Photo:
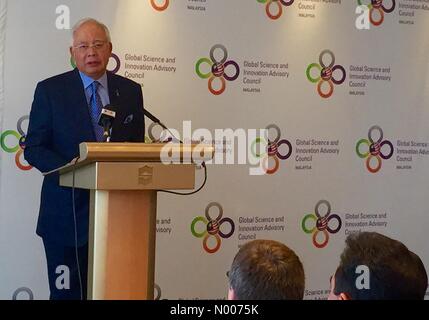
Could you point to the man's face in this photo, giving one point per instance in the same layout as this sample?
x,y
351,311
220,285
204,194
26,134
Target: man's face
x,y
91,50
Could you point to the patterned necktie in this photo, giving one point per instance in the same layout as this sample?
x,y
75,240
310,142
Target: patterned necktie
x,y
96,107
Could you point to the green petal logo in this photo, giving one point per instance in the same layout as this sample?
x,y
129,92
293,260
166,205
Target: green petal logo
x,y
321,224
375,149
217,69
12,141
325,74
271,150
209,229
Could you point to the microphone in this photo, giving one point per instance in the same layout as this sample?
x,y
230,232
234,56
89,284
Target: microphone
x,y
154,119
203,164
157,121
107,117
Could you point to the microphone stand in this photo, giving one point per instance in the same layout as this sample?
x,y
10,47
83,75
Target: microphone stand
x,y
203,164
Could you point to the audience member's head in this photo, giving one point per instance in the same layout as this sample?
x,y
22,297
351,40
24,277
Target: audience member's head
x,y
266,270
373,266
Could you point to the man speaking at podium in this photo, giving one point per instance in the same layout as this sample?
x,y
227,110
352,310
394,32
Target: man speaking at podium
x,y
65,112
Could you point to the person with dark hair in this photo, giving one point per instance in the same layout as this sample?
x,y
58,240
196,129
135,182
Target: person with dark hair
x,y
266,270
376,267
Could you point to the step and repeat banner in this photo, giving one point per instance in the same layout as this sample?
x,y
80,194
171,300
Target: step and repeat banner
x,y
340,87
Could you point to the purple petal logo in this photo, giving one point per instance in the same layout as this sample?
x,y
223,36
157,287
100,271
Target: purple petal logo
x,y
213,229
321,224
274,8
273,150
329,74
375,149
217,69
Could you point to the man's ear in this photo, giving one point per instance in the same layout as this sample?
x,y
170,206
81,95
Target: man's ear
x,y
231,294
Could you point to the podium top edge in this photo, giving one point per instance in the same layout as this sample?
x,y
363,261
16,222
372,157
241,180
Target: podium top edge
x,y
91,152
142,151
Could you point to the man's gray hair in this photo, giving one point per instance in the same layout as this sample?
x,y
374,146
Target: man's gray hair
x,y
91,20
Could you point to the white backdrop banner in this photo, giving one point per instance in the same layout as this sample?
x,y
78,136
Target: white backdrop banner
x,y
3,11
342,89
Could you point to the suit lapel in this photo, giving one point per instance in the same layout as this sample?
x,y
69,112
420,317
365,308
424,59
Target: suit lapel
x,y
114,89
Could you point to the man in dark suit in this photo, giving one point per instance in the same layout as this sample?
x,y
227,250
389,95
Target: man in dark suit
x,y
64,113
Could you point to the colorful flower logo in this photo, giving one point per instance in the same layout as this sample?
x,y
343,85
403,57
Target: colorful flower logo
x,y
18,146
160,7
277,5
217,69
271,150
322,224
325,74
377,6
374,150
212,228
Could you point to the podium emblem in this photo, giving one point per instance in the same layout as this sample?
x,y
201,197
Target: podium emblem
x,y
145,175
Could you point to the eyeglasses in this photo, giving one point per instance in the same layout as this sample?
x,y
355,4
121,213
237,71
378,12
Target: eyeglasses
x,y
85,47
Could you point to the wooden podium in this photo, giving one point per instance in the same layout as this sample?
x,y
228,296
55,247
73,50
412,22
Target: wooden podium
x,y
124,179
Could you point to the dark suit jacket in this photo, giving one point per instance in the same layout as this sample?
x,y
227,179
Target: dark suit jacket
x,y
59,122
